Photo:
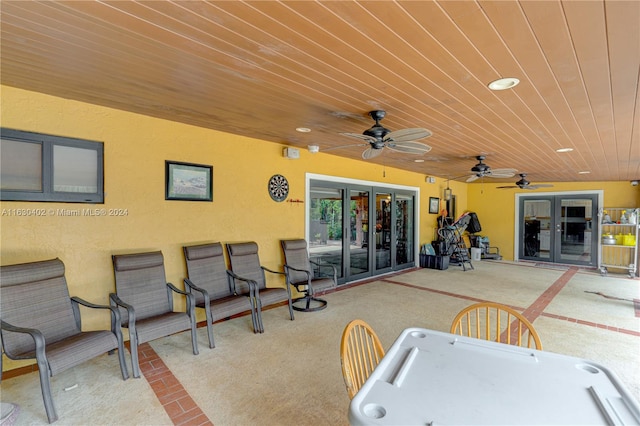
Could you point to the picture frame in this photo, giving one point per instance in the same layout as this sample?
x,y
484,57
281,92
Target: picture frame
x,y
188,181
434,205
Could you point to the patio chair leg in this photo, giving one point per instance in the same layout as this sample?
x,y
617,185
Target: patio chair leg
x,y
133,340
212,343
45,384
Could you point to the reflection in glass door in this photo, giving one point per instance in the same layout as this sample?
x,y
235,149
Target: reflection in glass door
x,y
359,236
325,226
404,229
383,231
559,229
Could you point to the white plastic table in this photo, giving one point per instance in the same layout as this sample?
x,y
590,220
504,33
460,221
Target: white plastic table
x,y
433,378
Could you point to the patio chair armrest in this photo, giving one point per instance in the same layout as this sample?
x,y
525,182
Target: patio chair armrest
x,y
115,301
176,289
189,286
76,301
191,303
287,267
253,285
326,265
264,268
79,300
38,338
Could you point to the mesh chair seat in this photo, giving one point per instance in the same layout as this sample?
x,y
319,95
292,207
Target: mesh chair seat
x,y
166,324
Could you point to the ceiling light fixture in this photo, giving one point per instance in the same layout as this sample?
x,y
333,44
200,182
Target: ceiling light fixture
x,y
584,172
504,83
303,129
564,150
418,161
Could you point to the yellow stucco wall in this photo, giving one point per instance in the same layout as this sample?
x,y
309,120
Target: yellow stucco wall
x,y
135,150
496,207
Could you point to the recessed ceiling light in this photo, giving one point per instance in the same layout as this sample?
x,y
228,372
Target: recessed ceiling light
x,y
504,83
303,129
564,150
584,172
418,161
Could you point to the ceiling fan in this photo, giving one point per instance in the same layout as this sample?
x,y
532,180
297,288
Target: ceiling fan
x,y
482,170
523,183
379,138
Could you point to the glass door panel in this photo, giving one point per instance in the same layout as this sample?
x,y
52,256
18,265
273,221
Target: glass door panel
x,y
574,242
404,229
359,232
383,231
536,235
325,226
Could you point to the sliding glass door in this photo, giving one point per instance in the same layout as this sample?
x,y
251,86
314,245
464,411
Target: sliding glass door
x,y
362,230
559,228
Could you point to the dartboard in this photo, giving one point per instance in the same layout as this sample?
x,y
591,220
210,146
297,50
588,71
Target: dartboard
x,y
278,188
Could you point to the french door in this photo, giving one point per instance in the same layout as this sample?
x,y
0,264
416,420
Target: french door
x,y
361,230
559,228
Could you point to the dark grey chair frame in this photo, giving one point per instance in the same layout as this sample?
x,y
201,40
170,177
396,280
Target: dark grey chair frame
x,y
40,320
214,286
145,301
307,280
245,264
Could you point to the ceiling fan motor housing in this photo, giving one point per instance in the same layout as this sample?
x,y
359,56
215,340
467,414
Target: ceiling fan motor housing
x,y
480,167
377,131
523,181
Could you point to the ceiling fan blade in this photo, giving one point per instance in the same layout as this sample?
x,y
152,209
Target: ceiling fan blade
x,y
473,178
406,135
408,147
504,187
331,148
370,153
360,136
539,185
502,173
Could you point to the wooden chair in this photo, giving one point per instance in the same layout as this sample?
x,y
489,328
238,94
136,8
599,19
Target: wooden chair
x,y
245,264
360,353
145,300
495,322
214,288
307,276
40,320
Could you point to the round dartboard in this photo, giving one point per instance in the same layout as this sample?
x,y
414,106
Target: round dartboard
x,y
278,188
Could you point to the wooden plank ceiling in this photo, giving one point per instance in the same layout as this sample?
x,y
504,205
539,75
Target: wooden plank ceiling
x,y
264,68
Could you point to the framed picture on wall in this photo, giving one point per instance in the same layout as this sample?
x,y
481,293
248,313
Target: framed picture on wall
x,y
434,205
188,181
